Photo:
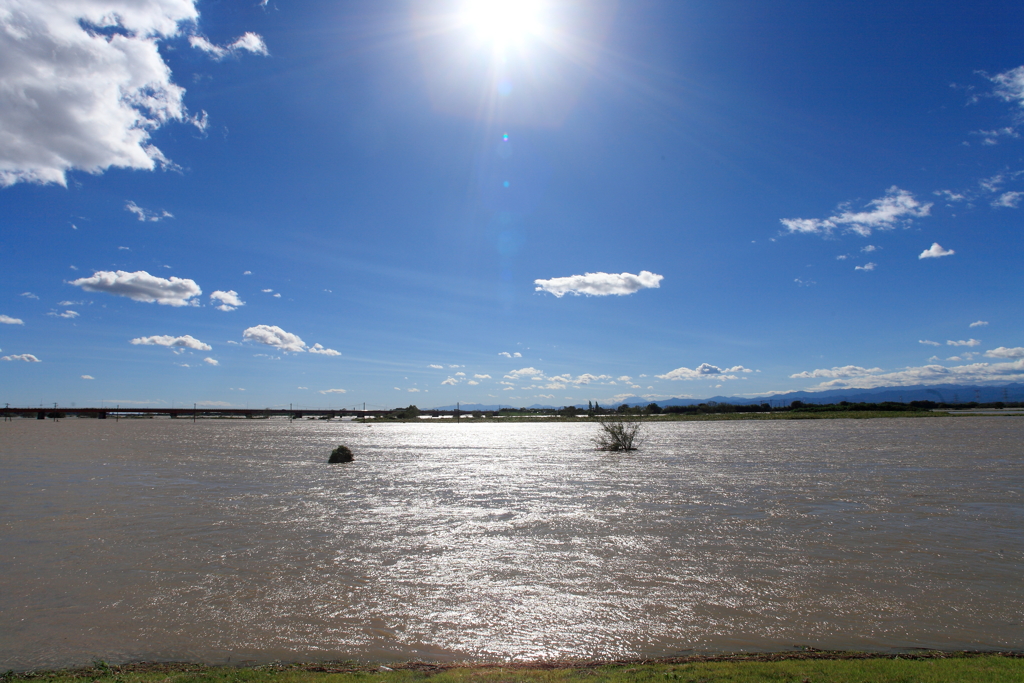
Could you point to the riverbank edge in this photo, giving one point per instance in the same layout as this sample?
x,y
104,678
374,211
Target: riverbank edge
x,y
144,670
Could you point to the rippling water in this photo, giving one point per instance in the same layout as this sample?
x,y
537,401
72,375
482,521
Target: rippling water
x,y
233,540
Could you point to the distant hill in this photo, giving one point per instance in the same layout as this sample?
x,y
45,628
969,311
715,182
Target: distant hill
x,y
944,393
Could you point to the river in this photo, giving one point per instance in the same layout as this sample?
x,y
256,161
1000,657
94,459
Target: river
x,y
234,541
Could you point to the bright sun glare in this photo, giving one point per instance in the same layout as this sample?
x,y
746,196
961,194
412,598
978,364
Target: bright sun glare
x,y
502,21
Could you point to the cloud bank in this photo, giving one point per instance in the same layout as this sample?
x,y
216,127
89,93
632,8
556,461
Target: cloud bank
x,y
599,284
141,286
704,371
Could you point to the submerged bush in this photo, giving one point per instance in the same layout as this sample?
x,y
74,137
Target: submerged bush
x,y
341,454
620,435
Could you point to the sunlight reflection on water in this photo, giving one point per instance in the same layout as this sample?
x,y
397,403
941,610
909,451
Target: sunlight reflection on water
x,y
234,540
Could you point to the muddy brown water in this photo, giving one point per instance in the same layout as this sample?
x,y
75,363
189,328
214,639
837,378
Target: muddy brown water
x,y
234,541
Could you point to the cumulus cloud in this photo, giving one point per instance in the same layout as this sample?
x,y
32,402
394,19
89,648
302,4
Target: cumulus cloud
x,y
451,381
968,342
935,251
144,214
229,300
84,85
317,348
435,366
867,266
8,320
704,371
186,341
88,377
599,284
211,361
141,286
65,314
27,357
272,335
506,354
974,373
334,391
249,42
979,323
897,207
929,342
481,376
1003,352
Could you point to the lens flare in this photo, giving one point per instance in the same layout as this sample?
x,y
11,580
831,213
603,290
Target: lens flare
x,y
503,21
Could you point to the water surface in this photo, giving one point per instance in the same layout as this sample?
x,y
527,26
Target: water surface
x,y
232,540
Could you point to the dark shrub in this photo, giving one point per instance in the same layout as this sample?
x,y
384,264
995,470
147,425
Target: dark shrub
x,y
341,454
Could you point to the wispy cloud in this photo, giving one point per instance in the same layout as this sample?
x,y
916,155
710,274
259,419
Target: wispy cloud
x,y
979,323
317,348
65,314
929,342
897,207
141,286
1008,200
506,354
145,214
29,295
935,251
599,284
962,342
186,341
974,373
211,361
229,300
846,371
88,377
435,366
334,391
867,266
250,42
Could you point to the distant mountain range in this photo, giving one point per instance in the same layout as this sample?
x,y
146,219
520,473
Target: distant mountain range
x,y
944,393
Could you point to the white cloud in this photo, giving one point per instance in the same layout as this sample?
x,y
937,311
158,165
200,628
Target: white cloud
x,y
229,300
974,373
929,342
599,284
951,196
867,266
956,358
896,207
979,323
277,296
29,295
414,390
435,366
843,372
935,251
460,374
506,354
1010,85
266,291
624,378
991,184
27,357
248,272
185,341
145,214
272,335
870,248
481,376
250,42
65,314
804,283
211,361
703,371
969,342
73,97
141,286
317,348
334,391
1003,352
472,382
88,377
525,372
1008,200
451,381
8,320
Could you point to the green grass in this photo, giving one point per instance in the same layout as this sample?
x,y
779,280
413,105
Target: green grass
x,y
784,668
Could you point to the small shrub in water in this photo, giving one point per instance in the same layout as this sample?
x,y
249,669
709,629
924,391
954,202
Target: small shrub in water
x,y
620,435
341,454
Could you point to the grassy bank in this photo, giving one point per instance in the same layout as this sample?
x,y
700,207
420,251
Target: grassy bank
x,y
814,666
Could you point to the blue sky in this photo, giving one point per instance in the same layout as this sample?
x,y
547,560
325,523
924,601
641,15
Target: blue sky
x,y
331,203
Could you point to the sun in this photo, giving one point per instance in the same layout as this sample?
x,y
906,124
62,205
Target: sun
x,y
502,22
